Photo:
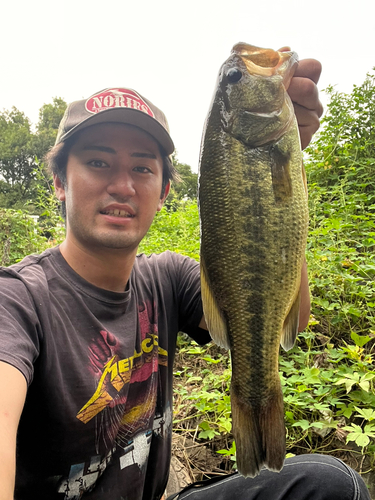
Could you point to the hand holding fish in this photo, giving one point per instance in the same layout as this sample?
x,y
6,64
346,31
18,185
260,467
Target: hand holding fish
x,y
304,94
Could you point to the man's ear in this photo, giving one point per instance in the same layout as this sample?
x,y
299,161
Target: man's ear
x,y
59,188
164,196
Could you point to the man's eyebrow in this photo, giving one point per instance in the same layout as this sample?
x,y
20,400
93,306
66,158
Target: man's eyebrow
x,y
144,155
105,149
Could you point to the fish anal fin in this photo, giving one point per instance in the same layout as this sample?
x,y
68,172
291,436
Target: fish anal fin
x,y
215,321
259,433
290,328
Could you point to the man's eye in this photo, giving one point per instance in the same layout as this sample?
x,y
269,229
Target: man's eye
x,y
98,164
143,170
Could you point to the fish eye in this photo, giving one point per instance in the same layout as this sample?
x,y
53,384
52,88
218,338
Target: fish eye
x,y
234,75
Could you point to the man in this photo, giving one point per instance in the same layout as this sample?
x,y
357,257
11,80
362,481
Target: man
x,y
89,328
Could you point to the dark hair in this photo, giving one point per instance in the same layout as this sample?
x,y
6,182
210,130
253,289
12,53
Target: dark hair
x,y
57,158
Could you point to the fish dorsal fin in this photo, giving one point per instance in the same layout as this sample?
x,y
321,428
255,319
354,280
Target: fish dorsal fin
x,y
214,317
290,328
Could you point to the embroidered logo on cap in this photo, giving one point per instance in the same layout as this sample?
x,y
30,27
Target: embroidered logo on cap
x,y
117,98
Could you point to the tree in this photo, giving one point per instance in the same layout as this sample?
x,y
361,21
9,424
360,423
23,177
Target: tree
x,y
16,149
184,189
345,147
341,243
50,116
188,187
20,147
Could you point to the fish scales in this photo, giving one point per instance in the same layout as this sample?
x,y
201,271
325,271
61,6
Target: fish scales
x,y
254,219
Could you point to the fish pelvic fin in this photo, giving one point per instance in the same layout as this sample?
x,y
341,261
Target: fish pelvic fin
x,y
259,433
215,320
290,328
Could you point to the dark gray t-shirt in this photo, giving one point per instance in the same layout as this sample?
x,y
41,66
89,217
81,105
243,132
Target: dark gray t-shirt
x,y
98,414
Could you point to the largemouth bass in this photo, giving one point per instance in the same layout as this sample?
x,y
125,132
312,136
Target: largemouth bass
x,y
254,222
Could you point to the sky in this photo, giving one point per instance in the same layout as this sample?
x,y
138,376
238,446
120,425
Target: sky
x,y
170,51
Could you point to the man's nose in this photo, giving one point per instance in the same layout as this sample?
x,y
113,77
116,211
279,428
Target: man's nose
x,y
121,184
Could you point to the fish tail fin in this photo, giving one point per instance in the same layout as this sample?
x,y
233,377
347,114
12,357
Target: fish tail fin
x,y
259,433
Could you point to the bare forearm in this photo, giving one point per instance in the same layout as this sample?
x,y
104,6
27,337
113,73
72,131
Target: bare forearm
x,y
12,398
7,474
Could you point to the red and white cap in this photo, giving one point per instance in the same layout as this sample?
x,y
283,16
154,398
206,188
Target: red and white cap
x,y
119,105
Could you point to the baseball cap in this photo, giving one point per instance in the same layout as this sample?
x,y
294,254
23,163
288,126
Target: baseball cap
x,y
120,105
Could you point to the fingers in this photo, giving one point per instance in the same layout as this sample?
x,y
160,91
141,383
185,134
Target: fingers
x,y
304,92
308,123
309,68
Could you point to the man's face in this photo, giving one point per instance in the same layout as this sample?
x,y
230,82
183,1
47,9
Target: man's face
x,y
113,187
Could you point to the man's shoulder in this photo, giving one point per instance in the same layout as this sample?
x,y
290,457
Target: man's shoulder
x,y
165,257
31,270
168,261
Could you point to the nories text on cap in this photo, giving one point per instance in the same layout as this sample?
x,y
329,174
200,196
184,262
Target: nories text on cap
x,y
119,105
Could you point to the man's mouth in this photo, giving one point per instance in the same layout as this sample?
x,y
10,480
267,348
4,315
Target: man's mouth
x,y
117,213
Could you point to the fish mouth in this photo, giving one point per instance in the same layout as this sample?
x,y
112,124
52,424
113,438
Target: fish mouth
x,y
267,62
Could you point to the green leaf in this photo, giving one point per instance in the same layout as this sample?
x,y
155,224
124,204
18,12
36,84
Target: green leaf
x,y
360,340
211,360
210,434
304,424
362,440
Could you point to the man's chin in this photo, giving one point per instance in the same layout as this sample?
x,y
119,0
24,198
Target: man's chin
x,y
113,244
109,242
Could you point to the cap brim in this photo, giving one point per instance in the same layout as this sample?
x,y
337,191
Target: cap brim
x,y
130,117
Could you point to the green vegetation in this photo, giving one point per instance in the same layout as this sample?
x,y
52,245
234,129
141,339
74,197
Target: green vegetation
x,y
22,234
328,377
19,148
174,229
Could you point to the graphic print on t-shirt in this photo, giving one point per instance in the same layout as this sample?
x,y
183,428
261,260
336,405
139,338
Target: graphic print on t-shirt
x,y
123,404
116,375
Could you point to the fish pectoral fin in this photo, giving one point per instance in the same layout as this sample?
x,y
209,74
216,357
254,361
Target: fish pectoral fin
x,y
280,172
214,317
290,328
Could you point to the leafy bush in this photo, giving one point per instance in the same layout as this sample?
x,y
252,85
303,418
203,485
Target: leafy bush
x,y
176,230
22,234
341,243
19,236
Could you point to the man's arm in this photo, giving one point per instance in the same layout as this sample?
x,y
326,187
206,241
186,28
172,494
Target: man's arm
x,y
13,389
